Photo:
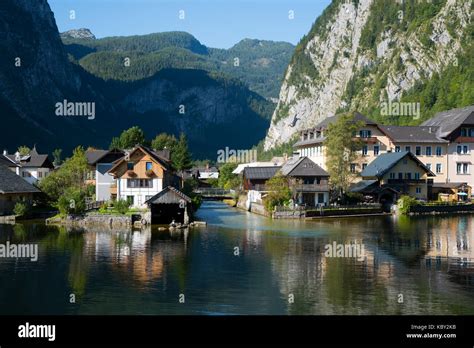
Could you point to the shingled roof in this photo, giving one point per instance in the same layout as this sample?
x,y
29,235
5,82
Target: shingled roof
x,y
260,173
386,161
449,121
169,195
412,134
358,117
302,166
12,183
4,160
33,160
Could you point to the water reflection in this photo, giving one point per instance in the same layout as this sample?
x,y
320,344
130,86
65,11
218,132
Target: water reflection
x,y
427,260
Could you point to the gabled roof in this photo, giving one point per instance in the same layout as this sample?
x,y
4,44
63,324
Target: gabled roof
x,y
412,134
95,156
12,183
33,161
357,117
384,162
165,163
302,166
169,195
260,173
449,121
4,160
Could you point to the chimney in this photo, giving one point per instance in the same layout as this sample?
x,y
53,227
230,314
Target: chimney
x,y
17,156
5,152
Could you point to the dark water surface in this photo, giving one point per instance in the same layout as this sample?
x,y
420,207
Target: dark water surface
x,y
429,261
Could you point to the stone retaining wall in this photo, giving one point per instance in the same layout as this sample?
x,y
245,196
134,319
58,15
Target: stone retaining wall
x,y
442,209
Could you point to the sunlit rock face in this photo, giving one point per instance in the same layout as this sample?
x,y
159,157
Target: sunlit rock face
x,y
336,51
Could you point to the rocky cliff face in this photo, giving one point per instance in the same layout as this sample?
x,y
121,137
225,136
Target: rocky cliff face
x,y
361,53
82,33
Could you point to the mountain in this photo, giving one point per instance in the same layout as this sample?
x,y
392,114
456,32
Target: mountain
x,y
258,63
82,33
35,75
362,54
217,108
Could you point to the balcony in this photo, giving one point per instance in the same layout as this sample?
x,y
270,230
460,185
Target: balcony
x,y
369,140
409,181
323,187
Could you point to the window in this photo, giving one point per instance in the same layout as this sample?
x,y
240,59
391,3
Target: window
x,y
464,132
365,133
318,181
418,190
439,151
364,165
408,176
471,132
392,175
129,165
320,198
462,149
130,199
408,148
376,150
397,148
139,183
418,150
40,174
400,176
149,166
462,168
439,168
365,150
428,165
428,151
417,176
353,167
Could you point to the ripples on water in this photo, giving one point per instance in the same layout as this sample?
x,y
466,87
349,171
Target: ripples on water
x,y
428,260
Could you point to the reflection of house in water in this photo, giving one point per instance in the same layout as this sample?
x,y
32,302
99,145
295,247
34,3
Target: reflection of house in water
x,y
140,255
451,248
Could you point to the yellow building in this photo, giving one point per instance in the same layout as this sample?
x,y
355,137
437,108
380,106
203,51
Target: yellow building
x,y
394,174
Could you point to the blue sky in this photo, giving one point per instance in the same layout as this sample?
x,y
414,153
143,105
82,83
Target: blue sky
x,y
216,23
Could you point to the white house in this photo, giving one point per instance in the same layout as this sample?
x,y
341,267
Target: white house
x,y
32,167
140,175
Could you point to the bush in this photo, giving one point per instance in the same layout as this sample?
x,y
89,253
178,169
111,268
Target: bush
x,y
279,192
122,206
406,203
21,208
72,202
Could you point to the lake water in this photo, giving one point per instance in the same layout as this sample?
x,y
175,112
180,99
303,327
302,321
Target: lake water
x,y
245,264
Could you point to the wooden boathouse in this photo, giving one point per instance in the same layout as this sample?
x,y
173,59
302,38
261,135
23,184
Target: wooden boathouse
x,y
168,205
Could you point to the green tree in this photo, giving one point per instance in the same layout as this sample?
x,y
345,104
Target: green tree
x,y
24,150
279,192
72,201
227,179
181,157
57,157
128,139
164,140
72,174
341,150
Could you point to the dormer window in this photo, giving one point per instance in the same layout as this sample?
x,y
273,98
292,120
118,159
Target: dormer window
x,y
311,135
130,165
305,136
